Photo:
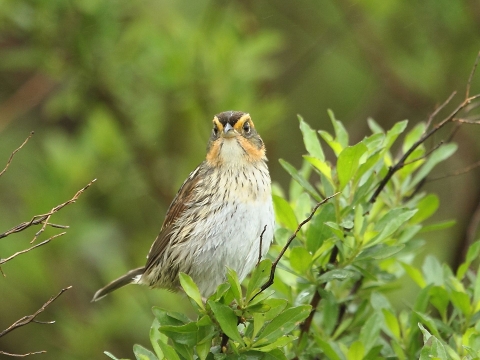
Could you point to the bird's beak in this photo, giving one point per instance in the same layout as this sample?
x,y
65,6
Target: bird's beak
x,y
229,131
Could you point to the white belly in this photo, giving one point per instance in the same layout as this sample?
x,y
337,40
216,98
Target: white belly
x,y
233,241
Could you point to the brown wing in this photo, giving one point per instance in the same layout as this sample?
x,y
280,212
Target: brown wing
x,y
177,207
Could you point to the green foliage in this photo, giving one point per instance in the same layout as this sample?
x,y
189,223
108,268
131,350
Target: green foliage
x,y
343,262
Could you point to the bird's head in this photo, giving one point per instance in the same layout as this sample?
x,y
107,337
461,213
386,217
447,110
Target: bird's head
x,y
234,139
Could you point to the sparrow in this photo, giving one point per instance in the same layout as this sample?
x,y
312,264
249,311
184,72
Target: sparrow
x,y
221,217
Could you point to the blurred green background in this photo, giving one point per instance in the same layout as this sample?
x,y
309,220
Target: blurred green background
x,y
124,91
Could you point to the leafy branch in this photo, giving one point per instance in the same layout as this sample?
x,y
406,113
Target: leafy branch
x,y
427,134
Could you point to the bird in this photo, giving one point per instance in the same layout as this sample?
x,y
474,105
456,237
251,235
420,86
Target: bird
x,y
222,216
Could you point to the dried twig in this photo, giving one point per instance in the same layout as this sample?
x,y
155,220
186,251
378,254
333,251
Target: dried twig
x,y
467,121
289,241
14,152
3,261
31,318
437,110
38,219
469,82
22,355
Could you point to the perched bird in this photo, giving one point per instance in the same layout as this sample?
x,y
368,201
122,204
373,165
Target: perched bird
x,y
217,218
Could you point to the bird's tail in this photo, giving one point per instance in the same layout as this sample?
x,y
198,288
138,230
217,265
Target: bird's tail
x,y
126,279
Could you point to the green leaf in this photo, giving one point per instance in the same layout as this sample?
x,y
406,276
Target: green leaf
x,y
432,270
426,208
472,254
259,277
284,213
439,155
348,162
335,145
337,274
321,166
327,349
439,298
340,131
433,348
413,136
235,285
143,354
184,334
429,322
169,317
283,323
356,351
392,323
155,337
317,232
374,126
379,251
300,259
476,290
391,222
393,133
280,342
461,301
300,179
369,334
111,356
168,351
227,320
414,274
442,225
312,144
191,289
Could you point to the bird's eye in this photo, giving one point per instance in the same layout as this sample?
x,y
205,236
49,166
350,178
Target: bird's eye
x,y
215,130
246,128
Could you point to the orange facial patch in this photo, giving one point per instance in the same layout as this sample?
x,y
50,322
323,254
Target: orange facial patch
x,y
213,155
253,152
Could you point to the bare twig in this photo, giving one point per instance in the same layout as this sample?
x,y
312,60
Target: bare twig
x,y
456,173
22,355
30,318
469,83
3,261
14,152
39,219
438,109
467,121
289,241
261,245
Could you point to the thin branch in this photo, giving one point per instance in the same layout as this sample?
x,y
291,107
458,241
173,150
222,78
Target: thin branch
x,y
30,318
23,355
38,219
469,83
3,261
261,245
466,121
423,156
438,109
14,152
279,257
456,173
